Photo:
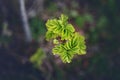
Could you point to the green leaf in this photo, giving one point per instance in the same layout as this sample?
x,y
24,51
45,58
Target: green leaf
x,y
58,49
81,44
67,32
63,18
82,49
70,28
66,57
65,53
52,24
50,35
37,57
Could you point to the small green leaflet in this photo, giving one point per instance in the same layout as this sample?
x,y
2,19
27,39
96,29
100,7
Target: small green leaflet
x,y
37,57
70,42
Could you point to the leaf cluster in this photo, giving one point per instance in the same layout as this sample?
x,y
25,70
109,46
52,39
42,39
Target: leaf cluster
x,y
67,41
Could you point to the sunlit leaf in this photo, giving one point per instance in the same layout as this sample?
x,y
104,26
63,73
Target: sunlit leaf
x,y
58,49
66,57
70,28
50,35
63,18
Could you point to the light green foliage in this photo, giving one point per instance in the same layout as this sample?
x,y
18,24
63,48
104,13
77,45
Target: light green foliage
x,y
37,57
67,41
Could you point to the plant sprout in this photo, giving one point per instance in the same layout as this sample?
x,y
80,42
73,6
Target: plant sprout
x,y
66,41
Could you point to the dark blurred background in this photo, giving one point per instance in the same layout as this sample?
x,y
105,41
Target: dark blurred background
x,y
26,55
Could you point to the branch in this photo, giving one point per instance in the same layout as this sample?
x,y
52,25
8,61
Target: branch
x,y
25,21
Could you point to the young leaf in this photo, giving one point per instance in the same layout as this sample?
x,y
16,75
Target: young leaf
x,y
37,57
50,35
66,57
70,28
52,24
81,43
58,49
63,19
